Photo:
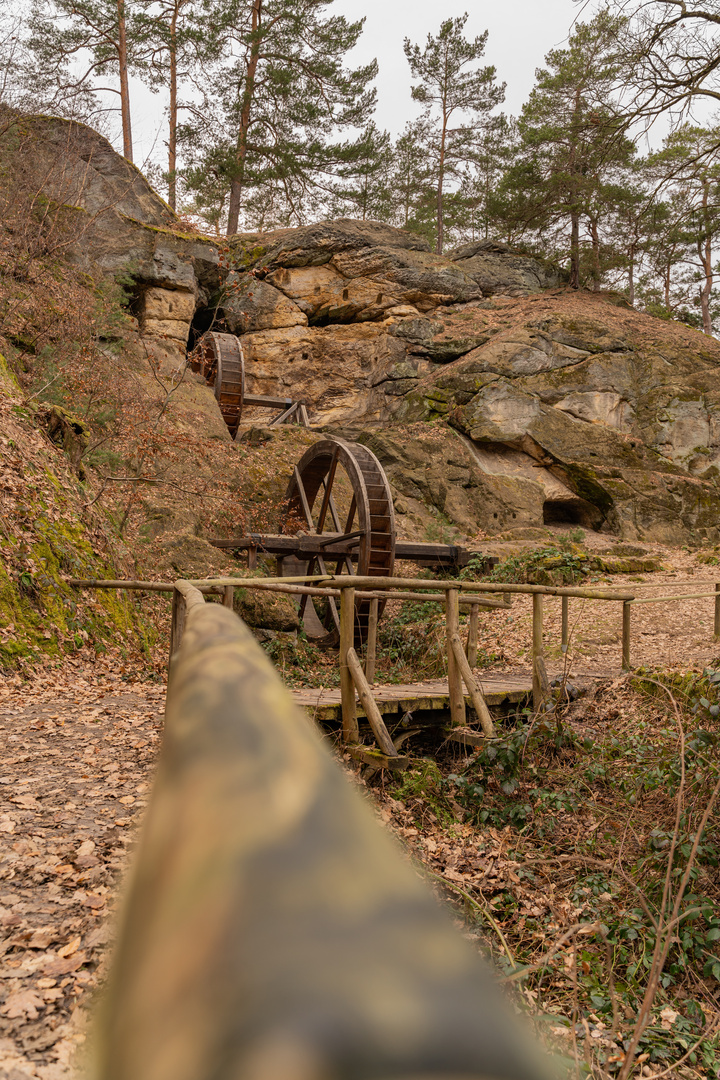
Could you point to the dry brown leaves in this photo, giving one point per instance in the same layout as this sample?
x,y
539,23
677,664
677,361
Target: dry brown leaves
x,y
79,748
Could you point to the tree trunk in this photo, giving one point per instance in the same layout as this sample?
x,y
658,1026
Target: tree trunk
x,y
574,250
631,278
172,136
704,249
441,181
667,285
124,86
237,181
595,254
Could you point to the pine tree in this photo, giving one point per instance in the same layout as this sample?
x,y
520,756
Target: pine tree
x,y
75,43
364,183
176,40
572,137
457,96
277,100
690,163
411,179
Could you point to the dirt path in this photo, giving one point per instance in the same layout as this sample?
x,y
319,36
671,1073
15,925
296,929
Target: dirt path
x,y
78,751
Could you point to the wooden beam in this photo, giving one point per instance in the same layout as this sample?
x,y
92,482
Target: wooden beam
x,y
351,733
374,717
452,628
370,756
537,648
472,638
476,697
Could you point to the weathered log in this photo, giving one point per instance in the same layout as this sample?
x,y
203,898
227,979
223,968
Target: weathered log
x,y
373,714
271,929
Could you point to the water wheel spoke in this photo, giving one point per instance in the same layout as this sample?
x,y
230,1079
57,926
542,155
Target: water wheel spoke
x,y
304,499
327,494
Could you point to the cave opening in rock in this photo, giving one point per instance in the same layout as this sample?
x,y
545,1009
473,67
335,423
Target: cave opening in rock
x,y
204,319
572,512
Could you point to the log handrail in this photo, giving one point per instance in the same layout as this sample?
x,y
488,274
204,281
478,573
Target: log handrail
x,y
271,928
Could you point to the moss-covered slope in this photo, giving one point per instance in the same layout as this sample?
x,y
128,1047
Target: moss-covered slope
x,y
48,533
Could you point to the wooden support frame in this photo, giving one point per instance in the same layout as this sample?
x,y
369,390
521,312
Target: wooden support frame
x,y
716,631
537,650
452,628
472,637
373,714
351,732
475,693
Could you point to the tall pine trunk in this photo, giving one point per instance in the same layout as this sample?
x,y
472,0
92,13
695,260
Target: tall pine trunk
x,y
595,236
441,182
124,85
173,114
574,249
631,278
704,250
236,183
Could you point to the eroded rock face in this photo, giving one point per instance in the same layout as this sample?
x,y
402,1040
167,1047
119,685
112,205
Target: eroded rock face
x,y
627,421
495,402
499,270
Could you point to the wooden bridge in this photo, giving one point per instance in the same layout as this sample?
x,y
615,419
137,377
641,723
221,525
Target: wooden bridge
x,y
460,704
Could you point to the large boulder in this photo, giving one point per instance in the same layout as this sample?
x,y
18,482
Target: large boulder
x,y
499,270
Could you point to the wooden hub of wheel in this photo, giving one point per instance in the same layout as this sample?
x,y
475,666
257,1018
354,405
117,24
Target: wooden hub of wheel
x,y
339,492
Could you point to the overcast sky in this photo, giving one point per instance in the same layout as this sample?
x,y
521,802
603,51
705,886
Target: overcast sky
x,y
521,33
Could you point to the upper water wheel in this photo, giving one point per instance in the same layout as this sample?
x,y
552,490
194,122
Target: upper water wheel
x,y
219,359
339,493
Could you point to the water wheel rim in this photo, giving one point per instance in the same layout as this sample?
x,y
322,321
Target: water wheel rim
x,y
373,516
223,366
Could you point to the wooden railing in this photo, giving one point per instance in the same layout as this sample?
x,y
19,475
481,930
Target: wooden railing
x,y
461,658
271,929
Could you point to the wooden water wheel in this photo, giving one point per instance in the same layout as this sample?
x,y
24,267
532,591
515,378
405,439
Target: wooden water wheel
x,y
219,359
339,493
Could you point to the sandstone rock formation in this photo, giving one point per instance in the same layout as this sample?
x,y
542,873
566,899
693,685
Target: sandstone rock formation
x,y
495,396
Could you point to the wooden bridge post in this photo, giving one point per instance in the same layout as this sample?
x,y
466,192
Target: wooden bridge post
x,y
626,635
455,686
229,597
537,650
351,732
371,652
717,610
472,638
565,622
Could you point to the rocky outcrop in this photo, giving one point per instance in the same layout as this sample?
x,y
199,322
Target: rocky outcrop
x,y
498,270
496,397
622,411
